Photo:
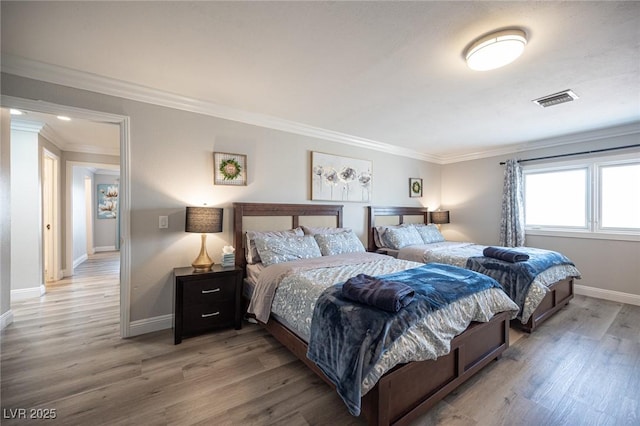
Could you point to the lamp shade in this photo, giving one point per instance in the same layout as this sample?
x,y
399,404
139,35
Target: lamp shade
x,y
439,217
203,220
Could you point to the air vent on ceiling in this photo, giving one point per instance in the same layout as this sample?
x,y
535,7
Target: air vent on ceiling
x,y
556,98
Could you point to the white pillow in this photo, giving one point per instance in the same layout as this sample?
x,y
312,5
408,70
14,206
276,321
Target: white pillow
x,y
338,243
250,251
284,249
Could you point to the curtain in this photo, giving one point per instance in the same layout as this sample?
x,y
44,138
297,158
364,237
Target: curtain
x,y
512,218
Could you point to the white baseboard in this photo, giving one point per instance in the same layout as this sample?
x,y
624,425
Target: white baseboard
x,y
105,248
80,260
27,293
614,296
149,325
6,319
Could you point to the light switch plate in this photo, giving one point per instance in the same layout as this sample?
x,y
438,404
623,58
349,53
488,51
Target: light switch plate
x,y
163,222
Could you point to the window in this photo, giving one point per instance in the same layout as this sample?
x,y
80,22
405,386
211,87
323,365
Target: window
x,y
599,197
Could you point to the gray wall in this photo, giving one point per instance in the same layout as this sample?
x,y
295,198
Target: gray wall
x,y
472,190
5,212
172,167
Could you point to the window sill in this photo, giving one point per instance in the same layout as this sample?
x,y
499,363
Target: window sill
x,y
584,234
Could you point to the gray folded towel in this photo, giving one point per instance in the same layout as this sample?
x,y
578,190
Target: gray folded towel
x,y
505,254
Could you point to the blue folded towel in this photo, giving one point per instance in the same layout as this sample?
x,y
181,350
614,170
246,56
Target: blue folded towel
x,y
383,294
505,254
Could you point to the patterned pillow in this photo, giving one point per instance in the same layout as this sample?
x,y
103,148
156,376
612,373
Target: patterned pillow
x,y
430,233
338,243
313,230
396,238
250,251
283,249
378,234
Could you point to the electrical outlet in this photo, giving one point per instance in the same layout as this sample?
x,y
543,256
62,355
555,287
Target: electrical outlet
x,y
163,222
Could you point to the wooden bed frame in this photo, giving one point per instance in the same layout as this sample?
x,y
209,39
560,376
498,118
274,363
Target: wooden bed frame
x,y
408,390
558,296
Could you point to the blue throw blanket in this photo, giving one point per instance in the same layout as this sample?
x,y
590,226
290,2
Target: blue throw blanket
x,y
384,294
516,278
348,338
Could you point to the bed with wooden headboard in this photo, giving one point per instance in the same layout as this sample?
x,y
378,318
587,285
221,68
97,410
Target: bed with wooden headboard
x,y
559,292
408,390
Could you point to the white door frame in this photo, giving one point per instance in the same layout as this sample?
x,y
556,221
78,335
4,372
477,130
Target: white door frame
x,y
125,184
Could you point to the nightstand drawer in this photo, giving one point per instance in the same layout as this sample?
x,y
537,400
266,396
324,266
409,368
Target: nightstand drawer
x,y
208,290
205,316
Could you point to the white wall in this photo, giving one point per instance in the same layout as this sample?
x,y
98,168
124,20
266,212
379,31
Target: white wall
x,y
26,250
5,219
172,167
472,191
104,230
79,212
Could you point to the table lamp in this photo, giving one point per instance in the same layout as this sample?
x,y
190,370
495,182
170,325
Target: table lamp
x,y
204,220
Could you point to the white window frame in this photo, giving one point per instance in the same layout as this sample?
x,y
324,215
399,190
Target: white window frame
x,y
593,230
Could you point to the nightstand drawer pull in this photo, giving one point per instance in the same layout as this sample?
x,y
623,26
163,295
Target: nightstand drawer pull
x,y
210,315
210,291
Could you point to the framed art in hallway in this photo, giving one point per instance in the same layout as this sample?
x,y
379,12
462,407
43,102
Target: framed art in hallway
x,y
336,178
415,187
229,169
107,198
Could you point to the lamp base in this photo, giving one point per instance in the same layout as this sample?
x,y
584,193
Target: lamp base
x,y
203,262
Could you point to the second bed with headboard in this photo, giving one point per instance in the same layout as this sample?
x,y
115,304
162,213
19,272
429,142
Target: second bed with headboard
x,y
551,289
402,388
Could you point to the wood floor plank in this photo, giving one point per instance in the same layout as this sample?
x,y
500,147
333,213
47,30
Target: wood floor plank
x,y
63,352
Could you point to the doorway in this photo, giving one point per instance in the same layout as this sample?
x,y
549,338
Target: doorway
x,y
122,123
50,216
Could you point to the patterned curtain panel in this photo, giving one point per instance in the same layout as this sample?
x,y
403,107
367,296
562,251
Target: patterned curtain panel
x,y
512,220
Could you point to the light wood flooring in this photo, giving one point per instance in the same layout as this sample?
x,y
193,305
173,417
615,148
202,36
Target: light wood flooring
x,y
63,352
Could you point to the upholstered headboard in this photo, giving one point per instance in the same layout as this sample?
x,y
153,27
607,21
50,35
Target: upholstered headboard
x,y
397,215
287,215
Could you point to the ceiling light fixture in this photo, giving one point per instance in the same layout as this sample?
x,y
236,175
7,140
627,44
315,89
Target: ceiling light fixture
x,y
496,49
15,111
63,118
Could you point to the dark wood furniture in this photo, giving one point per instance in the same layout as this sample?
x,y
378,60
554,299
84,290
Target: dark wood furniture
x,y
408,390
206,300
558,296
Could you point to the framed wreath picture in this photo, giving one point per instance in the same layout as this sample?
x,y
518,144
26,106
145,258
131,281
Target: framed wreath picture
x,y
415,187
229,169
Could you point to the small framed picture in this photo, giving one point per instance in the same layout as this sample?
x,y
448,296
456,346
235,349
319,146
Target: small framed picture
x,y
415,187
229,169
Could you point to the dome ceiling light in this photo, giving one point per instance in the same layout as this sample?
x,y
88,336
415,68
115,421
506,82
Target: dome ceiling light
x,y
496,49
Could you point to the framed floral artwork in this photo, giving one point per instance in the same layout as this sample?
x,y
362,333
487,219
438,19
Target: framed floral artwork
x,y
415,187
336,178
107,198
229,169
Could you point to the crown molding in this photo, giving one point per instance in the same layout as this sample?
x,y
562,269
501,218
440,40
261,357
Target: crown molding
x,y
87,81
81,80
25,126
569,139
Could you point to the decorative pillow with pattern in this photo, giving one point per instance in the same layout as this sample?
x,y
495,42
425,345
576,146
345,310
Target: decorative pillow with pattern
x,y
430,233
313,230
284,249
338,243
251,253
396,238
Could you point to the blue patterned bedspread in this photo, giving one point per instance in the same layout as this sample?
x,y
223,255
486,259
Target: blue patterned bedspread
x,y
516,278
348,338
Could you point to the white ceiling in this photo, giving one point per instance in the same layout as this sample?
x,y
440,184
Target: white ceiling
x,y
382,72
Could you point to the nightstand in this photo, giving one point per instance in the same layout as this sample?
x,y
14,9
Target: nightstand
x,y
206,300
